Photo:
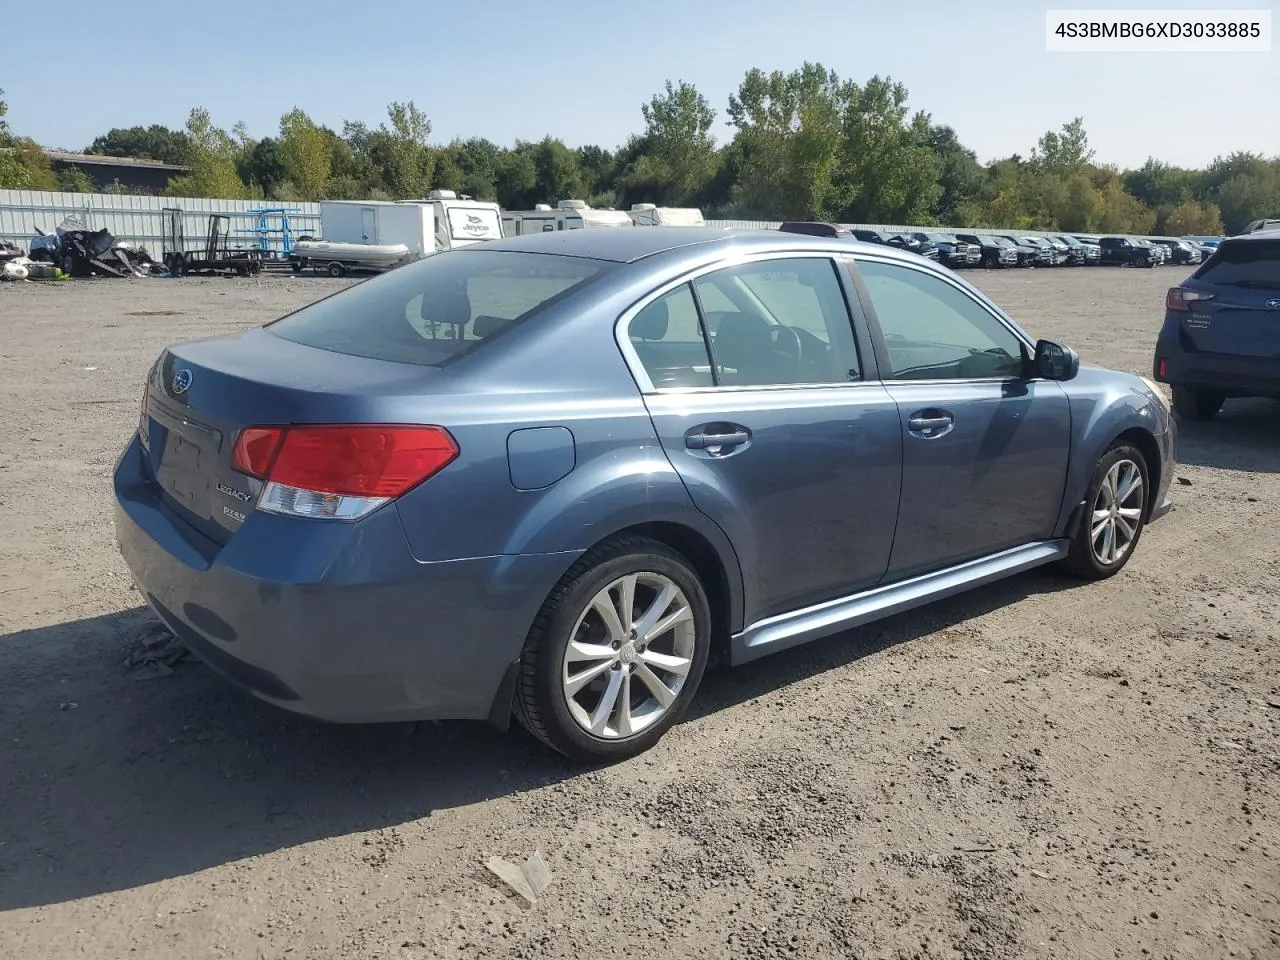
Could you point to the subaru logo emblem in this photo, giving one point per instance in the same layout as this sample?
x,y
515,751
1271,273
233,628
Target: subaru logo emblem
x,y
182,381
1273,304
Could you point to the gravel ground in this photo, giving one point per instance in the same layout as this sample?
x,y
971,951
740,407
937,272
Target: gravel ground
x,y
1036,769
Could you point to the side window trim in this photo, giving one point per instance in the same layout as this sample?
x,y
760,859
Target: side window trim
x,y
877,334
641,375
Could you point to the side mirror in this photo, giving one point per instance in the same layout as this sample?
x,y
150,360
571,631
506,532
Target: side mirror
x,y
1053,361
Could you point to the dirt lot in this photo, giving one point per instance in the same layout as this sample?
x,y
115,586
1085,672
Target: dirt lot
x,y
1037,769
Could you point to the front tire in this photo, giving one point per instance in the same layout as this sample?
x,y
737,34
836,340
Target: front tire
x,y
1191,404
1114,515
616,653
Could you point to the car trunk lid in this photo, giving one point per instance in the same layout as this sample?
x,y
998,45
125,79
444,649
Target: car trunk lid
x,y
201,394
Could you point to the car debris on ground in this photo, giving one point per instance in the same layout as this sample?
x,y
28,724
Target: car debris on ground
x,y
76,251
155,653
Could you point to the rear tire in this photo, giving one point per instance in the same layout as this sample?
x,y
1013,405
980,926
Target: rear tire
x,y
1191,404
1114,515
337,270
603,699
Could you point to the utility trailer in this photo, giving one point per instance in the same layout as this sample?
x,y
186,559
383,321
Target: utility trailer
x,y
217,255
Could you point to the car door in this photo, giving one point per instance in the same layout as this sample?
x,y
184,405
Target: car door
x,y
984,447
752,377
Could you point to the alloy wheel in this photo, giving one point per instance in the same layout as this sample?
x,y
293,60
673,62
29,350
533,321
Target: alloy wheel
x,y
1117,512
628,656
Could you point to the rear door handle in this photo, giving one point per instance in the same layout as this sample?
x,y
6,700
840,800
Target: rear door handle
x,y
704,441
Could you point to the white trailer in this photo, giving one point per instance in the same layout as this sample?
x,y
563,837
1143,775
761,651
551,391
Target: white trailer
x,y
566,215
380,234
651,215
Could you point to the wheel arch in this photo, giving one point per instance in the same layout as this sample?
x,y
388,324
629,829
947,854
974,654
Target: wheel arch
x,y
720,575
1145,441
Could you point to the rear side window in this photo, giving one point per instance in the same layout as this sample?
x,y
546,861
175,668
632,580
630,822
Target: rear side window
x,y
440,308
1250,263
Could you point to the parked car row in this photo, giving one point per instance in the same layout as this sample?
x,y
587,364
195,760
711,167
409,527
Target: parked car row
x,y
989,250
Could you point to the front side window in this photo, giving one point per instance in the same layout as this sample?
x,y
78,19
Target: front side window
x,y
781,321
935,331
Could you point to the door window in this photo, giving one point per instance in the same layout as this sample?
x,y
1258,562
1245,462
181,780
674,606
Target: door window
x,y
780,321
667,337
934,331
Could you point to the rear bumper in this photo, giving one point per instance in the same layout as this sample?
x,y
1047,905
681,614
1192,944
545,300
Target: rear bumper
x,y
1230,375
337,621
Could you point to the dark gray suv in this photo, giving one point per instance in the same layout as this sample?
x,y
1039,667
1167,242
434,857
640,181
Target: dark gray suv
x,y
1221,333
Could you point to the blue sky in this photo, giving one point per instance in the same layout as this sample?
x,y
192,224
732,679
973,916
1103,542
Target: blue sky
x,y
507,69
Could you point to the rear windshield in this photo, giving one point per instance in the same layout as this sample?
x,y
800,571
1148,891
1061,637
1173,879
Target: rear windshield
x,y
440,308
1250,263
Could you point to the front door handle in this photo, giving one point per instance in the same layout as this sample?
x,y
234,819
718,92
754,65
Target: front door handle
x,y
705,441
930,423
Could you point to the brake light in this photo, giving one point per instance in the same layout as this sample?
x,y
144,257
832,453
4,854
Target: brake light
x,y
1162,370
1180,298
340,471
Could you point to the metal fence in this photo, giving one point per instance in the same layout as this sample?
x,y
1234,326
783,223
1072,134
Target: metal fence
x,y
138,219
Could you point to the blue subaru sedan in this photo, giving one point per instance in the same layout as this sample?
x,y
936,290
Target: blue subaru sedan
x,y
549,477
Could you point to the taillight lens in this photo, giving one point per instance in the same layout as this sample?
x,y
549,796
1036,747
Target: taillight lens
x,y
1180,298
340,471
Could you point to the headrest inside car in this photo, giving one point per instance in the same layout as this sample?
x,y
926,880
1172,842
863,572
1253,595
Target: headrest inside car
x,y
651,322
486,326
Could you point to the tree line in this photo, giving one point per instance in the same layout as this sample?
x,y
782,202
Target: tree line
x,y
805,144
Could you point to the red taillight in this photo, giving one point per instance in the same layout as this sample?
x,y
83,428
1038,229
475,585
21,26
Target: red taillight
x,y
1180,298
255,449
359,460
1162,368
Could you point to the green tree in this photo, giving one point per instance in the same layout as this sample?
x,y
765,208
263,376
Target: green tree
x,y
1065,152
516,179
1121,211
305,154
1158,184
409,161
155,142
680,153
1081,205
598,172
889,171
1245,186
960,177
23,164
212,162
1194,219
788,140
75,180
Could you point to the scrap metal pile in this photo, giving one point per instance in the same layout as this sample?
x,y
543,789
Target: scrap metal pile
x,y
73,250
77,251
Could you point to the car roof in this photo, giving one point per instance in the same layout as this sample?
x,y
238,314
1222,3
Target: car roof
x,y
622,245
1253,237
